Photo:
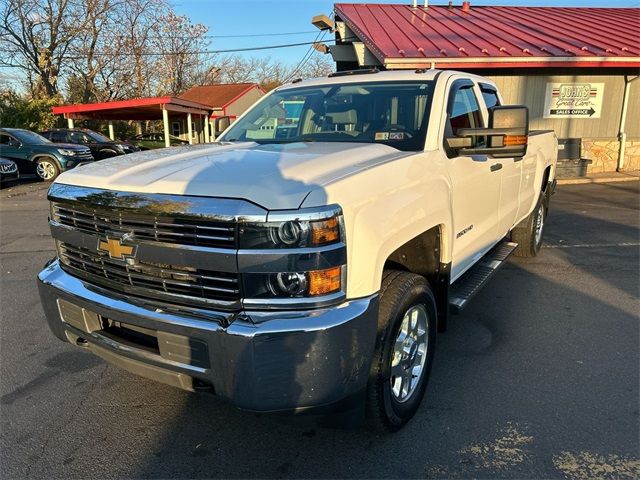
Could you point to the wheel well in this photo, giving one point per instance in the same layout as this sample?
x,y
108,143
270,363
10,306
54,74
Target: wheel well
x,y
49,157
422,255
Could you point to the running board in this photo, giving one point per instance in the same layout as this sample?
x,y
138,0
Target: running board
x,y
466,287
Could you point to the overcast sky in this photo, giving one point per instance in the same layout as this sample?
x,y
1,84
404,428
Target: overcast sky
x,y
237,17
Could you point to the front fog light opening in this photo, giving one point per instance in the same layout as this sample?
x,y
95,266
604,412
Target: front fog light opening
x,y
288,283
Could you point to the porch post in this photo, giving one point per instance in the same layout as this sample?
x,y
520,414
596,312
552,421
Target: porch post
x,y
70,122
112,135
206,128
165,122
189,129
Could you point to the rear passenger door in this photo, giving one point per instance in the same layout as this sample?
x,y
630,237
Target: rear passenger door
x,y
511,172
475,183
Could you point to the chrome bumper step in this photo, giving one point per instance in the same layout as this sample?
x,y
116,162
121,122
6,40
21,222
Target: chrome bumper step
x,y
467,286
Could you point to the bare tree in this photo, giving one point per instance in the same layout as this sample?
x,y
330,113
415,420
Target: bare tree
x,y
35,36
179,44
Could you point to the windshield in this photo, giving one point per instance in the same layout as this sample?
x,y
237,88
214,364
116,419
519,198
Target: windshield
x,y
392,113
28,137
98,137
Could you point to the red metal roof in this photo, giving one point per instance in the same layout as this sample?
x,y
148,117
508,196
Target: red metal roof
x,y
218,95
401,36
135,109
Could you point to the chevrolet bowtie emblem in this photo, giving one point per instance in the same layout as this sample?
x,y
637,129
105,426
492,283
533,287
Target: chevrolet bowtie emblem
x,y
116,249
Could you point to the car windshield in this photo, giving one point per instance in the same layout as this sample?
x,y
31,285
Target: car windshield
x,y
392,113
98,137
29,138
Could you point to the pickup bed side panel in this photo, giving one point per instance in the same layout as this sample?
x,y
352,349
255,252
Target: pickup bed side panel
x,y
385,207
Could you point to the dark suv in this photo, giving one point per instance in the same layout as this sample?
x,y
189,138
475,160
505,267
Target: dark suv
x,y
35,154
101,146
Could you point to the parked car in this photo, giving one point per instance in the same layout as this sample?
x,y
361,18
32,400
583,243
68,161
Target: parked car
x,y
101,147
150,141
8,171
310,268
35,154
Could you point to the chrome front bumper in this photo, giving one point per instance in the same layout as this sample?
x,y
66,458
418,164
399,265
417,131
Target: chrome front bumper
x,y
258,360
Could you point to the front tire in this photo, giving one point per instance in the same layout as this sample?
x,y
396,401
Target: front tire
x,y
529,233
407,323
47,169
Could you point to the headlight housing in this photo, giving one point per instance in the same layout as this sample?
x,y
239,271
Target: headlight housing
x,y
294,259
293,232
67,152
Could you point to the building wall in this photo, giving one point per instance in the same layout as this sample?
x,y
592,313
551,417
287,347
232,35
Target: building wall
x,y
238,107
599,137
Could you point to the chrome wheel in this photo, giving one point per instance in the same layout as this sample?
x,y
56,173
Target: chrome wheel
x,y
409,353
46,170
539,226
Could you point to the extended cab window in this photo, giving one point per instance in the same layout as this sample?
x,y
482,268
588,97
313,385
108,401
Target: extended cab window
x,y
490,96
464,110
391,113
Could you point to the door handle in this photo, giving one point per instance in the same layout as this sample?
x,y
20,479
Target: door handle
x,y
495,167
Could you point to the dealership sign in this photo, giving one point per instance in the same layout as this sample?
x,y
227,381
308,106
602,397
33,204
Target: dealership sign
x,y
573,100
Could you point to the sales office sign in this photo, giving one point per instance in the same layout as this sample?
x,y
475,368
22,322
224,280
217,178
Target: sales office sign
x,y
573,100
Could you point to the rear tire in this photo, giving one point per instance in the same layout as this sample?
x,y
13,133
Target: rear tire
x,y
47,169
529,233
104,154
407,323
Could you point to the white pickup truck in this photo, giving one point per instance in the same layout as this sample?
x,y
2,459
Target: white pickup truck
x,y
308,258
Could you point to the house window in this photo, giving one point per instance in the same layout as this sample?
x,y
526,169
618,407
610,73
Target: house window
x,y
175,129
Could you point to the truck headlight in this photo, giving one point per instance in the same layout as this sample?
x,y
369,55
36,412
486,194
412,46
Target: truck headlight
x,y
294,259
292,285
293,233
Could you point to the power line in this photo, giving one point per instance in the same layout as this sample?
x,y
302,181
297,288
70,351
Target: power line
x,y
307,55
202,52
195,37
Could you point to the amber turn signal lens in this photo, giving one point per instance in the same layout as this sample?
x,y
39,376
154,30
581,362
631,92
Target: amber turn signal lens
x,y
322,282
513,140
325,231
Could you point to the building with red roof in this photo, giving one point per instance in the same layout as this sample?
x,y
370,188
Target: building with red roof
x,y
191,116
542,57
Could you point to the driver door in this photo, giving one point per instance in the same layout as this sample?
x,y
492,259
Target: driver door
x,y
475,182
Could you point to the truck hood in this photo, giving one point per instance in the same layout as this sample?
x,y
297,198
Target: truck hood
x,y
275,176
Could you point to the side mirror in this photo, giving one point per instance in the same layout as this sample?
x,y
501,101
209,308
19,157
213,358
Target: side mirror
x,y
14,143
507,135
220,124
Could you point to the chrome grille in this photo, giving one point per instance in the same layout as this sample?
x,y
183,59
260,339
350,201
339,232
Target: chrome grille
x,y
175,230
153,279
8,167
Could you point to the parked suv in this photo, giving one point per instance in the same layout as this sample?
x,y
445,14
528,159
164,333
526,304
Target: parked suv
x,y
35,154
101,147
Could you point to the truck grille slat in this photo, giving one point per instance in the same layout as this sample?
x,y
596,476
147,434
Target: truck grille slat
x,y
216,234
191,283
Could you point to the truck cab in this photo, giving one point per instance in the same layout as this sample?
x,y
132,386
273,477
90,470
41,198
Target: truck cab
x,y
311,255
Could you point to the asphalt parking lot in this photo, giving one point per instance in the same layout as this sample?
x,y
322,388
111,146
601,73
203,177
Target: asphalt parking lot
x,y
538,378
